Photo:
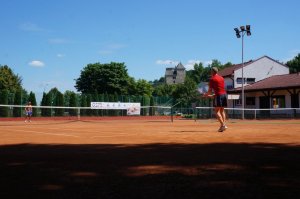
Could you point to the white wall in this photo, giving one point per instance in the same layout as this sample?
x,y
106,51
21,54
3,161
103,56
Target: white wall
x,y
260,69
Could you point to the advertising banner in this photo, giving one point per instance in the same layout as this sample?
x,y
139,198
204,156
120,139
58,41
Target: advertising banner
x,y
132,108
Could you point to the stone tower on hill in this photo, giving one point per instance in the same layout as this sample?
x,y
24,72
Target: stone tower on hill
x,y
175,75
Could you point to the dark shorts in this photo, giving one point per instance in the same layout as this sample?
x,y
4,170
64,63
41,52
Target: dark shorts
x,y
220,101
28,113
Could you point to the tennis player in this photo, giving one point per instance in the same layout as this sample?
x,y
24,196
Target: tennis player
x,y
217,85
28,112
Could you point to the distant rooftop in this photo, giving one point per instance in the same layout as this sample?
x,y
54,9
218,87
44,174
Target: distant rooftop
x,y
274,82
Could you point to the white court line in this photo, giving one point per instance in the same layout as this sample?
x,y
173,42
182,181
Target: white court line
x,y
75,130
104,136
115,134
38,132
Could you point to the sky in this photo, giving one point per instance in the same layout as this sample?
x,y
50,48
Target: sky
x,y
48,43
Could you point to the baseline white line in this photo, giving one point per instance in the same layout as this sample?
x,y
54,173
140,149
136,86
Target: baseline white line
x,y
38,132
104,136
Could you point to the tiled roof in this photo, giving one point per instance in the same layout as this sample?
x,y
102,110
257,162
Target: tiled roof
x,y
274,82
180,66
228,71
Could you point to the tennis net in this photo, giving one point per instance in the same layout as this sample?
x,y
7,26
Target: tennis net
x,y
84,113
236,113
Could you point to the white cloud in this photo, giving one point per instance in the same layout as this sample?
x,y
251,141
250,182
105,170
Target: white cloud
x,y
31,27
60,55
206,63
167,62
111,48
189,65
37,63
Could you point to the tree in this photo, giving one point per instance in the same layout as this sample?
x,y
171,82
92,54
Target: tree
x,y
24,97
53,95
216,63
131,87
164,90
4,100
151,109
49,102
201,74
50,99
228,64
17,111
89,112
198,74
8,80
73,103
294,64
83,103
143,87
101,78
46,101
59,101
186,93
43,103
67,96
156,82
145,101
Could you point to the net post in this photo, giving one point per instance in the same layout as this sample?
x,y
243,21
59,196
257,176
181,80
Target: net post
x,y
78,114
172,110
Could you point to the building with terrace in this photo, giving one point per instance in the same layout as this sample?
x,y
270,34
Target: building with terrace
x,y
267,84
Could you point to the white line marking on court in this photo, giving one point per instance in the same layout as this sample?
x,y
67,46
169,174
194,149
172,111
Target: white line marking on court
x,y
115,135
74,130
38,132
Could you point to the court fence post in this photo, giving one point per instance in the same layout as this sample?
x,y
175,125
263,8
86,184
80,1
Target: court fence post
x,y
171,114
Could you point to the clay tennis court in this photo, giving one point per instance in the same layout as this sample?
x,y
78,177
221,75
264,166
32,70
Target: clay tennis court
x,y
150,159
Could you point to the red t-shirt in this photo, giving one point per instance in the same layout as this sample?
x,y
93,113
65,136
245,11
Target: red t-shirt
x,y
217,84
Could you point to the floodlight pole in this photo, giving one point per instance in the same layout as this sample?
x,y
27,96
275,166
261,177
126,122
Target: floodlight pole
x,y
243,91
243,31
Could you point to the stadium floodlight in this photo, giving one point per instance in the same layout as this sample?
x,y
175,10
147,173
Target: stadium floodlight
x,y
238,33
248,30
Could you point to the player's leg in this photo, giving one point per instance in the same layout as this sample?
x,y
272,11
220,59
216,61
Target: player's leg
x,y
26,116
223,115
218,105
223,101
219,116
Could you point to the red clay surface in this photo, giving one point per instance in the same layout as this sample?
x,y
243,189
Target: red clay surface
x,y
149,159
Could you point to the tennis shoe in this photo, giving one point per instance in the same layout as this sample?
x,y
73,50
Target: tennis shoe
x,y
222,128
